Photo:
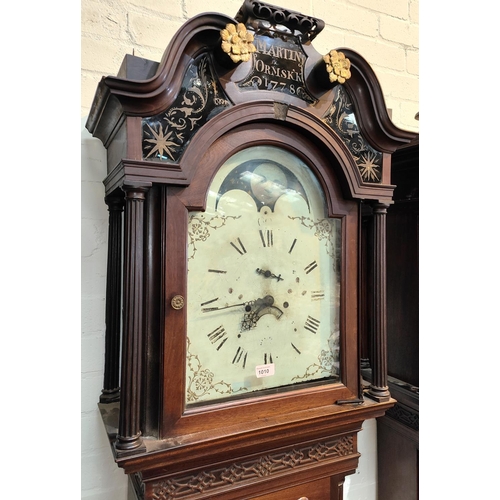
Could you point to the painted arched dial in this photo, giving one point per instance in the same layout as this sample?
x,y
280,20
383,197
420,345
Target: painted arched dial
x,y
263,281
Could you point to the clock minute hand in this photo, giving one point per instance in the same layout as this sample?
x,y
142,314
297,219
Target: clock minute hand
x,y
210,309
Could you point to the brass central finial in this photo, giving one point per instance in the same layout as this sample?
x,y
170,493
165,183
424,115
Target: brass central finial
x,y
237,42
337,66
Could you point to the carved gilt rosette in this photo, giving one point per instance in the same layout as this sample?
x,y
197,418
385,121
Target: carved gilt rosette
x,y
237,42
337,66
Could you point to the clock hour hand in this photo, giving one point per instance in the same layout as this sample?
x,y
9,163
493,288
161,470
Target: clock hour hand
x,y
257,309
268,274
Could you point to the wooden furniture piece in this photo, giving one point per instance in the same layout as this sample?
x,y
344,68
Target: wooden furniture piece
x,y
267,402
398,430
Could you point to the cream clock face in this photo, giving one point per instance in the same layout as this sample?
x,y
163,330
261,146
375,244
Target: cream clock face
x,y
263,281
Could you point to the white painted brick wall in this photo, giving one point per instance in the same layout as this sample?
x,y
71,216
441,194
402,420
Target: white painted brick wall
x,y
101,479
362,485
384,32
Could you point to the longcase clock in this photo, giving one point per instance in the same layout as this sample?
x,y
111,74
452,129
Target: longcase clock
x,y
238,171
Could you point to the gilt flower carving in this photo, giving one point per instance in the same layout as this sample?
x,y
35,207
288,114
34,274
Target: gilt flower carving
x,y
237,42
337,66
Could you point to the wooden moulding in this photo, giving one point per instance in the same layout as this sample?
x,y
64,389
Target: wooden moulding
x,y
283,452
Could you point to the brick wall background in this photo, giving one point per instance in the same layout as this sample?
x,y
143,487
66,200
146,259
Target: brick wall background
x,y
385,33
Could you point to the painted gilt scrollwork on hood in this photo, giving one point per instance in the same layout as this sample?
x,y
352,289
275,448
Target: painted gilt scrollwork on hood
x,y
166,135
342,119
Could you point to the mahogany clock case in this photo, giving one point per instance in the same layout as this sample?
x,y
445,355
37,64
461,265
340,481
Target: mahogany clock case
x,y
287,435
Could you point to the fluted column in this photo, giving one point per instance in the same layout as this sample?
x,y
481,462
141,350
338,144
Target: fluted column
x,y
129,432
111,385
379,389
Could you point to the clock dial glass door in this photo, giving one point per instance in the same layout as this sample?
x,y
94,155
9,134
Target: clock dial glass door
x,y
263,281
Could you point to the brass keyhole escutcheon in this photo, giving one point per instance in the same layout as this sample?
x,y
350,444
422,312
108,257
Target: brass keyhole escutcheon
x,y
177,302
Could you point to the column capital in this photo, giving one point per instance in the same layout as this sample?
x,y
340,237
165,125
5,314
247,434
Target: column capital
x,y
136,190
379,207
115,201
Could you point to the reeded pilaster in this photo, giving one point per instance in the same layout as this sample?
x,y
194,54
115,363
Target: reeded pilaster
x,y
111,386
129,432
379,389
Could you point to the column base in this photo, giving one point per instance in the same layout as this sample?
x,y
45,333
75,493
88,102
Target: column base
x,y
379,394
133,444
110,396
